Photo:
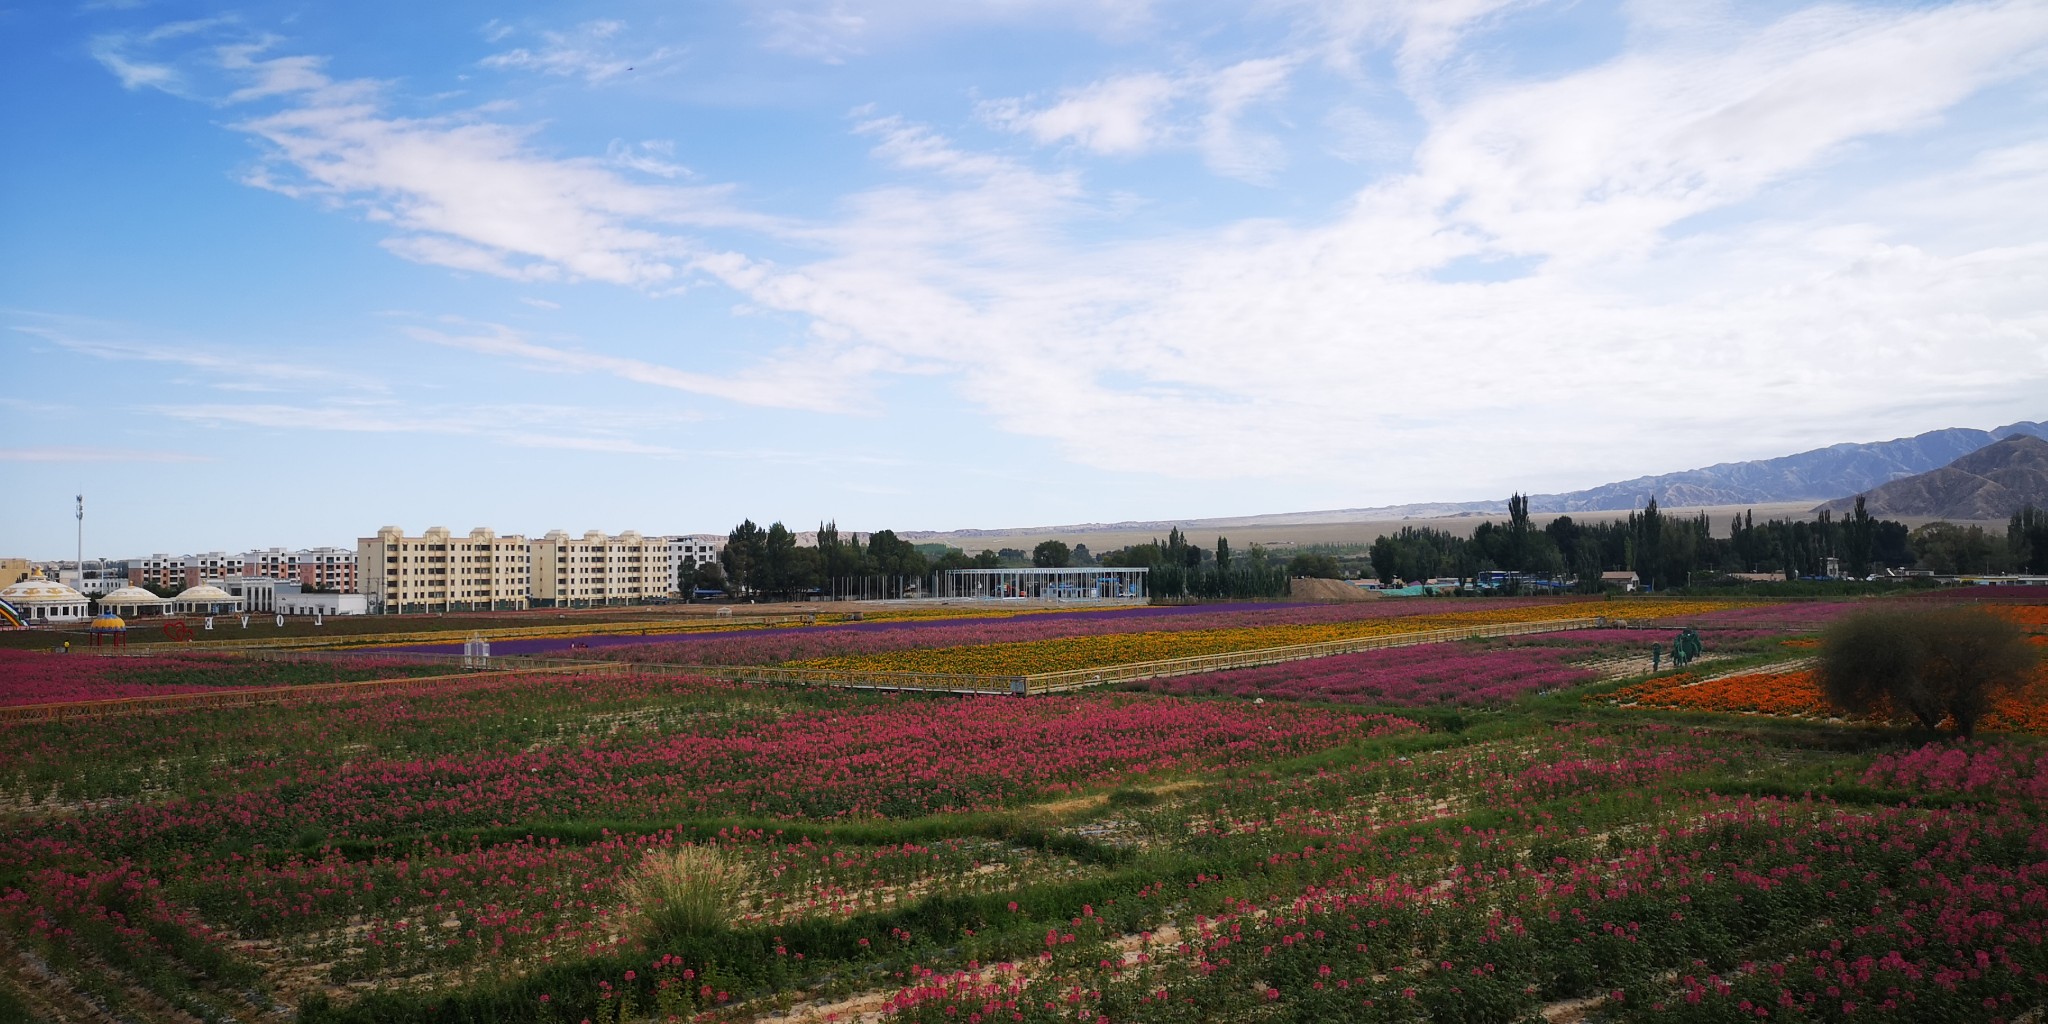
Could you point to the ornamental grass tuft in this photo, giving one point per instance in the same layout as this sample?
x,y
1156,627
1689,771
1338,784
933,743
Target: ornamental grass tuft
x,y
690,890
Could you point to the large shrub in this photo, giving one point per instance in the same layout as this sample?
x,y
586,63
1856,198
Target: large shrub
x,y
1928,663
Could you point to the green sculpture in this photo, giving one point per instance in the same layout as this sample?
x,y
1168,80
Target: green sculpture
x,y
1686,647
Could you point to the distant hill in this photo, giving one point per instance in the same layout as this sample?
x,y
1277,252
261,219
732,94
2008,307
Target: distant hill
x,y
1818,474
1990,483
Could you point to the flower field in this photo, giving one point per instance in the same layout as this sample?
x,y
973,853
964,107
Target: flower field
x,y
1796,693
36,677
468,849
1091,651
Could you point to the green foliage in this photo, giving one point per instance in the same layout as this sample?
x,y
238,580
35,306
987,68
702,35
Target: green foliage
x,y
1051,554
1930,663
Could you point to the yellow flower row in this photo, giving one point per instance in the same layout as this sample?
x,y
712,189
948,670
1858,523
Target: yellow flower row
x,y
1077,652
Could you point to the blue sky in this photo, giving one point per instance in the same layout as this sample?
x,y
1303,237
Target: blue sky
x,y
283,273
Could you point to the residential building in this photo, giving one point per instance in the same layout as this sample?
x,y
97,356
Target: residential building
x,y
178,571
595,569
442,572
328,569
686,553
14,570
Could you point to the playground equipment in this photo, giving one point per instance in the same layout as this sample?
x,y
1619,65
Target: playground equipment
x,y
1686,647
10,616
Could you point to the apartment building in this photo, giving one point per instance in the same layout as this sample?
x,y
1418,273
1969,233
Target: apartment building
x,y
595,569
686,553
326,569
438,571
181,571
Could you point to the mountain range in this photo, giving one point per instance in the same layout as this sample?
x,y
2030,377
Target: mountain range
x,y
1990,483
1822,474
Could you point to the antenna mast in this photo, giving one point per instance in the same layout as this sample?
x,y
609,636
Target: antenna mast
x,y
81,542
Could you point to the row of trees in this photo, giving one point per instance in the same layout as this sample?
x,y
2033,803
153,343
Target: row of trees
x,y
770,562
1665,550
1662,550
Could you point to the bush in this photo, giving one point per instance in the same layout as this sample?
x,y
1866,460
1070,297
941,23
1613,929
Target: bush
x,y
691,890
1934,664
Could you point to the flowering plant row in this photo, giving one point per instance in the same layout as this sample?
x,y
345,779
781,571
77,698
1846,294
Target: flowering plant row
x,y
1797,693
1080,652
35,677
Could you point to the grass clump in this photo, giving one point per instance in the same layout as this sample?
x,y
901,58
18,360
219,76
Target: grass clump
x,y
690,890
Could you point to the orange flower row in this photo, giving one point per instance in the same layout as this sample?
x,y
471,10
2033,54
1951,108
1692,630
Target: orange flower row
x,y
1797,694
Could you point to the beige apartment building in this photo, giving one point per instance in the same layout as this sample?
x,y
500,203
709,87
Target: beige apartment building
x,y
594,570
443,572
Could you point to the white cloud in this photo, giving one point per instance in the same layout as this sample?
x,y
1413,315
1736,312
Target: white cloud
x,y
1228,148
589,51
1138,113
1116,116
653,156
467,193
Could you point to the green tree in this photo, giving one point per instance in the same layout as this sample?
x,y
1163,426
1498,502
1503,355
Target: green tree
x,y
1385,555
706,576
1320,566
2026,538
1222,553
1051,554
1859,534
745,548
1930,663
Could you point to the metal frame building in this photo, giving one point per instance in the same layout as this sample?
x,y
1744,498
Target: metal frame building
x,y
1077,583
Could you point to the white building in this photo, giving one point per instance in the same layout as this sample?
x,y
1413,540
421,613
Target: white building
x,y
441,572
686,553
595,569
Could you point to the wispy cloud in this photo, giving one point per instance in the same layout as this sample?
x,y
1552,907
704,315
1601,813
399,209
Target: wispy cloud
x,y
539,426
591,51
228,369
817,384
1138,113
470,194
81,454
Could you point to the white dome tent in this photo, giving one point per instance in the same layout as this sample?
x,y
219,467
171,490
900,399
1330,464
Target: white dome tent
x,y
129,602
205,599
44,601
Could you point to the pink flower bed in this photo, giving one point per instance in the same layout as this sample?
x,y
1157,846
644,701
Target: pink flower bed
x,y
35,677
1973,768
893,757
